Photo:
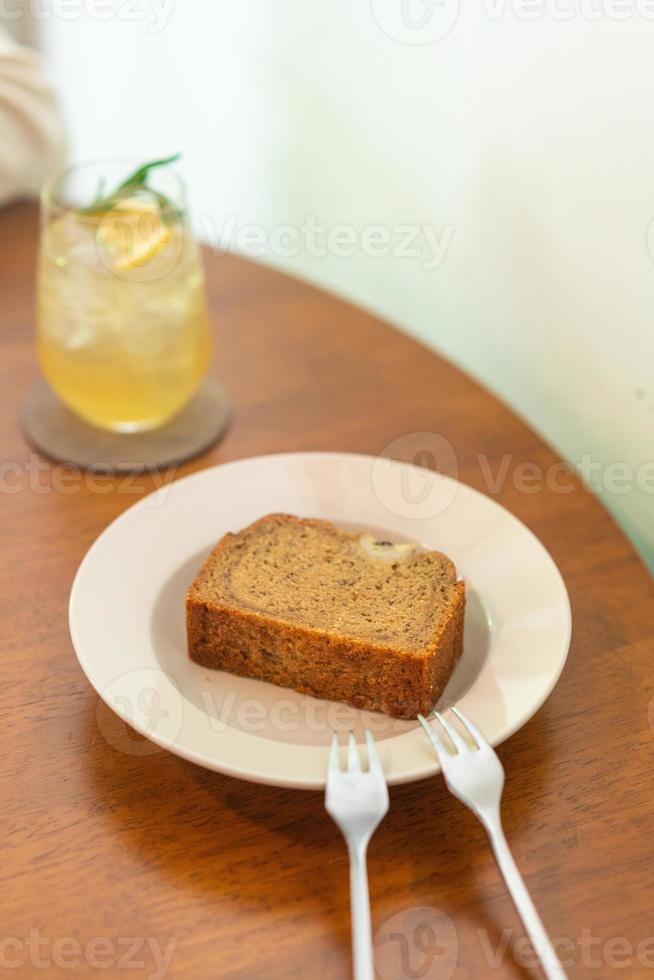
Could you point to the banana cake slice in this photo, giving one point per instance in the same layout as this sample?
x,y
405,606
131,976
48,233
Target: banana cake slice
x,y
331,613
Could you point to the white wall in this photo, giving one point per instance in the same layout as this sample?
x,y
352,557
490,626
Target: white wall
x,y
530,142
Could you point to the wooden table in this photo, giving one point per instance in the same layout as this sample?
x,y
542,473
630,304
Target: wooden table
x,y
100,846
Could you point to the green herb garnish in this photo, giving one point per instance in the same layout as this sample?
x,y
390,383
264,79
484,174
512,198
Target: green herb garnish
x,y
135,183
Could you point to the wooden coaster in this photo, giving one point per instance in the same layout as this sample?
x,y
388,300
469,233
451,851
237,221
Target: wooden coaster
x,y
56,431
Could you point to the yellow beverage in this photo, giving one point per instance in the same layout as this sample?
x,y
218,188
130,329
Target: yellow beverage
x,y
123,331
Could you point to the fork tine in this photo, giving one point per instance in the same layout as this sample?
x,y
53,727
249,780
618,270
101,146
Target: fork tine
x,y
334,756
471,728
457,740
353,761
432,736
374,765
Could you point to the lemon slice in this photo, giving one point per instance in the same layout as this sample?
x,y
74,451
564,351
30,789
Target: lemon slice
x,y
132,233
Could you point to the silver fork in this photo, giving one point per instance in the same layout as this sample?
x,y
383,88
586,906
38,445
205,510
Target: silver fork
x,y
357,801
476,777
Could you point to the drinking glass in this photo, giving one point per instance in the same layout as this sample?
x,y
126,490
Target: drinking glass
x,y
123,330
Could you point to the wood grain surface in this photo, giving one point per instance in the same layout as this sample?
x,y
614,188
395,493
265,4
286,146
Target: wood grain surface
x,y
114,858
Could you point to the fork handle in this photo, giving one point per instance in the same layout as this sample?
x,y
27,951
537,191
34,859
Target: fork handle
x,y
522,900
362,957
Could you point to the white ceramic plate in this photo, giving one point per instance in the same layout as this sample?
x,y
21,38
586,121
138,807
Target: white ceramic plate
x,y
127,614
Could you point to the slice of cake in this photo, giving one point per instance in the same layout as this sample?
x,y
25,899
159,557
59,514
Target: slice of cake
x,y
343,616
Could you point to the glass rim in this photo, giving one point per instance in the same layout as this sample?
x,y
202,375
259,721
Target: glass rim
x,y
48,194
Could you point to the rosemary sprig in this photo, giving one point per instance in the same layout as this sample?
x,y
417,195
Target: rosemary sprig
x,y
135,182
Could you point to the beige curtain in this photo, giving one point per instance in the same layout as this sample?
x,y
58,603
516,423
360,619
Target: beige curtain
x,y
31,130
